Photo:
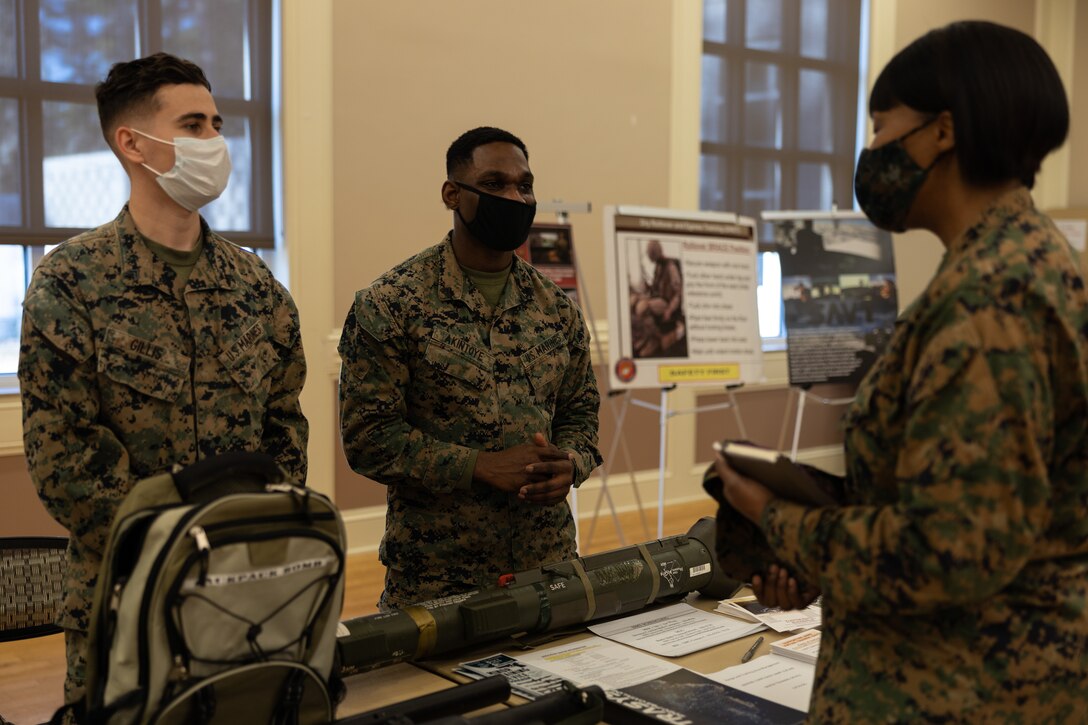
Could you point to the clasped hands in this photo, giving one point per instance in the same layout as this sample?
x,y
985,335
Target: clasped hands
x,y
538,472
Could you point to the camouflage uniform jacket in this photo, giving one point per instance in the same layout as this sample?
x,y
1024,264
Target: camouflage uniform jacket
x,y
121,378
956,580
430,372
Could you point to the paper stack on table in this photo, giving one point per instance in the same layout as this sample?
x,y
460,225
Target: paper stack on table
x,y
675,630
804,646
780,620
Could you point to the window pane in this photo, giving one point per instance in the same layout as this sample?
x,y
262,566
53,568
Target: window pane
x,y
230,212
763,25
81,39
214,35
8,61
762,189
814,128
814,190
769,295
814,28
715,113
85,185
10,191
713,183
715,13
12,286
762,105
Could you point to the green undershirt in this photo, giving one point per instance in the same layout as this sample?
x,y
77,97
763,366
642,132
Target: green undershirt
x,y
181,262
491,286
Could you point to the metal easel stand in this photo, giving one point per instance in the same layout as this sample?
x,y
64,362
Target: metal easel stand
x,y
663,419
562,211
802,394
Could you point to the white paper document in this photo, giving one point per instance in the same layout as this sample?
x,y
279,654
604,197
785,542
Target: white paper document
x,y
674,631
596,661
772,677
1075,230
780,620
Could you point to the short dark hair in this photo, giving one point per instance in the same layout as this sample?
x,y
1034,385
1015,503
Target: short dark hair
x,y
459,154
1007,101
131,86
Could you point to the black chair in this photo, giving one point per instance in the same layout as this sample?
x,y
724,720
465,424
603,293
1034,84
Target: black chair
x,y
31,582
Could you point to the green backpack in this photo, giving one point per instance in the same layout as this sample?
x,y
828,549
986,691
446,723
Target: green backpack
x,y
218,600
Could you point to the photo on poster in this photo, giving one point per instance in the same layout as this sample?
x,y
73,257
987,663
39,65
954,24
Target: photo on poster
x,y
550,248
681,298
839,294
656,280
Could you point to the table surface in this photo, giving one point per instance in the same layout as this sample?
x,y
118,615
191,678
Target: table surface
x,y
388,685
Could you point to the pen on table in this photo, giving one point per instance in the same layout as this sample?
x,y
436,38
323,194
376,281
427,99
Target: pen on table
x,y
752,650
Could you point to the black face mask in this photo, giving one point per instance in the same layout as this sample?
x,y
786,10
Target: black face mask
x,y
887,180
500,223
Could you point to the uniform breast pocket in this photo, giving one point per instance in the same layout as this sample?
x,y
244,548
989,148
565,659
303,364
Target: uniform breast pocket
x,y
249,365
450,367
545,366
138,368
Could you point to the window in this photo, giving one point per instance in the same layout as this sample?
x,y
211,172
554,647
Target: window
x,y
779,116
58,176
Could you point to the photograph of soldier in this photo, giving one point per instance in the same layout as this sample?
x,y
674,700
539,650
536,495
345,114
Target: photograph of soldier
x,y
466,389
657,303
151,341
955,574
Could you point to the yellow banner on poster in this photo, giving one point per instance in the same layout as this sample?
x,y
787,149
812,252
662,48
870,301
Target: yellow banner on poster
x,y
698,373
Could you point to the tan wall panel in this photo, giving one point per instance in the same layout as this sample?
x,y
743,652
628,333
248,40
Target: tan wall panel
x,y
585,85
1078,129
916,17
23,513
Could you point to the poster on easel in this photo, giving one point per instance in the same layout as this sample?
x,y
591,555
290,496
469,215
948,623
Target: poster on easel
x,y
838,292
550,248
681,298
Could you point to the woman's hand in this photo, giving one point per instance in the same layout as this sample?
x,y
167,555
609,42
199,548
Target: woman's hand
x,y
780,589
743,494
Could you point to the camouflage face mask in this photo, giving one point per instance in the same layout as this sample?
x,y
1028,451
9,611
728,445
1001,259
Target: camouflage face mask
x,y
887,180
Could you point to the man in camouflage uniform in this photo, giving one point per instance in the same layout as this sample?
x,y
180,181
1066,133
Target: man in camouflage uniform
x,y
466,389
151,341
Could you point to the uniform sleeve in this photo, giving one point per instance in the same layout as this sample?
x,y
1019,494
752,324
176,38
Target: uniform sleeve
x,y
379,440
286,430
972,480
80,468
575,423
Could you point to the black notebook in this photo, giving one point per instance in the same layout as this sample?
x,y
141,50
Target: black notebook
x,y
775,471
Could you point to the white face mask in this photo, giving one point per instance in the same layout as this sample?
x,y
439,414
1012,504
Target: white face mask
x,y
200,173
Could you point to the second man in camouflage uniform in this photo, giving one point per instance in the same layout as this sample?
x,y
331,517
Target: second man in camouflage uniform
x,y
466,388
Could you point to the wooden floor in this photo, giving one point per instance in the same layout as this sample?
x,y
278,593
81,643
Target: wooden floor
x,y
32,671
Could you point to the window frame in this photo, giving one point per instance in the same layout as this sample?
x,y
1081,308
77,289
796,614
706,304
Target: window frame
x,y
31,92
844,75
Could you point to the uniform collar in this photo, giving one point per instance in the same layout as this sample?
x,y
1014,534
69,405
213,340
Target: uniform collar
x,y
1008,205
140,266
454,283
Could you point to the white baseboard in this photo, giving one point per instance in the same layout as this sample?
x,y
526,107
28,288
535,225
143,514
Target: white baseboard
x,y
365,526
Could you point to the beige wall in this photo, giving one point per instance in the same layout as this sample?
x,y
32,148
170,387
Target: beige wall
x,y
1078,131
586,85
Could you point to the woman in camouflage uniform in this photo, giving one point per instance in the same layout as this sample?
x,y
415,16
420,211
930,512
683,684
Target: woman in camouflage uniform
x,y
955,575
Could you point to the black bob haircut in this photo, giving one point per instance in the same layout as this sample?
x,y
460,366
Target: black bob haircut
x,y
1007,102
459,154
131,86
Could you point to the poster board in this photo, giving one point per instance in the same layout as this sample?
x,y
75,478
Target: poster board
x,y
681,298
839,293
550,248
